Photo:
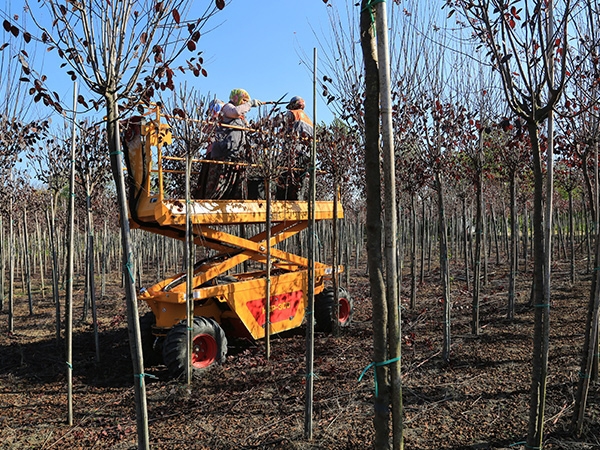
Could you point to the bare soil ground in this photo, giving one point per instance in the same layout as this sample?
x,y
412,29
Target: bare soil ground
x,y
478,401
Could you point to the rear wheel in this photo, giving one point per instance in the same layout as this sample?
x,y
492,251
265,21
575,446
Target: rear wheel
x,y
150,342
325,312
209,346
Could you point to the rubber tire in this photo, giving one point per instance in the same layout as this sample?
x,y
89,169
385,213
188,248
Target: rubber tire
x,y
324,312
212,344
150,346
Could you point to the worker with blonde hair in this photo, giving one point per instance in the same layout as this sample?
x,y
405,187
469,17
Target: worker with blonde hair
x,y
224,181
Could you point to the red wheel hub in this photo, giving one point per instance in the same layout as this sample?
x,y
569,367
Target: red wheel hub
x,y
344,312
204,351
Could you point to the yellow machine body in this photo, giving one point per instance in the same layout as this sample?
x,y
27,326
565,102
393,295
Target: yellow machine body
x,y
237,301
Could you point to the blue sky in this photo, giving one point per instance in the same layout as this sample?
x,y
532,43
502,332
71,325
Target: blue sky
x,y
259,45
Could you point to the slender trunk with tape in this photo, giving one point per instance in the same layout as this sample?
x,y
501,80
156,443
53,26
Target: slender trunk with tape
x,y
391,219
381,416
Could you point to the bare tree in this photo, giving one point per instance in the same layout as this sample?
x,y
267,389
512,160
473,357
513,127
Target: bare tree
x,y
188,120
344,92
510,147
581,110
49,161
18,131
524,42
93,169
121,51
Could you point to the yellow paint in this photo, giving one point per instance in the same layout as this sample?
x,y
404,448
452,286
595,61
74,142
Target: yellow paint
x,y
243,299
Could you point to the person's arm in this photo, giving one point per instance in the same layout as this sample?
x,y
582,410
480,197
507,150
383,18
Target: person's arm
x,y
234,112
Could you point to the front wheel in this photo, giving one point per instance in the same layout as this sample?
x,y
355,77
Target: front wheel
x,y
325,312
209,346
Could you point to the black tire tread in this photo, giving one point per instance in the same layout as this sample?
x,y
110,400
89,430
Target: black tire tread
x,y
151,356
324,312
174,348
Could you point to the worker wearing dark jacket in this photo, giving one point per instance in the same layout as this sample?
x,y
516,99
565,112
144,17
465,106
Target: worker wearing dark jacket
x,y
225,181
231,138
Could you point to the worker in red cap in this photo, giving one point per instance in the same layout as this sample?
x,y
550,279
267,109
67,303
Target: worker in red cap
x,y
298,122
300,130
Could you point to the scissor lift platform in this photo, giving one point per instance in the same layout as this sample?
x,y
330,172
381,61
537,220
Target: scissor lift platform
x,y
235,301
232,212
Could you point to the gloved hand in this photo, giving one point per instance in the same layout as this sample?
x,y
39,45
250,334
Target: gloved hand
x,y
254,103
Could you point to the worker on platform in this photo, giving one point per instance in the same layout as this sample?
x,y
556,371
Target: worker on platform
x,y
290,183
224,181
231,138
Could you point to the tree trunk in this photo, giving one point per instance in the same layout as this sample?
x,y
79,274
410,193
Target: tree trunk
x,y
69,272
334,258
20,265
374,227
189,269
479,237
466,243
268,271
562,247
430,224
494,227
27,261
505,231
91,281
444,269
423,234
413,253
347,251
485,245
11,267
50,218
89,299
40,252
541,309
525,237
310,237
596,360
588,237
104,261
590,346
391,219
513,262
114,146
401,243
571,239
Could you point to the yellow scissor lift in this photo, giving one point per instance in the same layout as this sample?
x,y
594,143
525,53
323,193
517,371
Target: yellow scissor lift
x,y
225,304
